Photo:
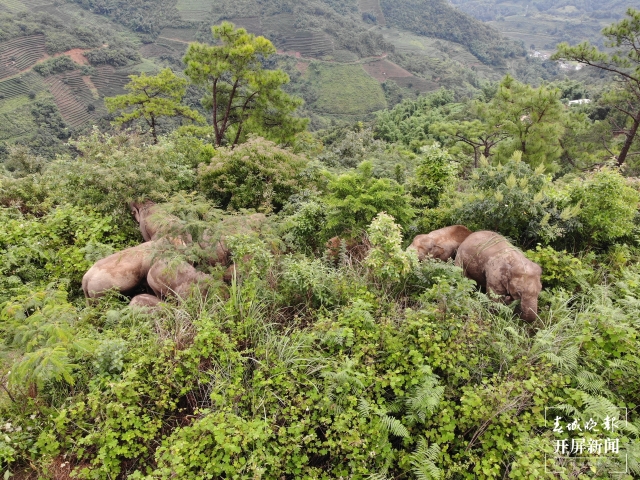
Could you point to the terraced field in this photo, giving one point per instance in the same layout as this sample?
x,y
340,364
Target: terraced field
x,y
13,5
344,89
250,24
193,10
182,34
382,70
278,26
372,7
37,3
73,97
54,11
309,44
154,50
109,81
20,53
21,85
416,83
178,47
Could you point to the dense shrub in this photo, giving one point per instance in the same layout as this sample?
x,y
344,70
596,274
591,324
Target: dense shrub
x,y
516,201
55,65
355,198
59,246
256,174
435,173
116,57
111,171
607,206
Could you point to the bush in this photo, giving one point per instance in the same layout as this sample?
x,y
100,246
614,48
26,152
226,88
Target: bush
x,y
61,245
435,173
516,201
55,65
110,171
386,259
354,199
256,174
559,269
607,207
116,57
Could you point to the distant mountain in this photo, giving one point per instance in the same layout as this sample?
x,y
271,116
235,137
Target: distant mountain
x,y
545,23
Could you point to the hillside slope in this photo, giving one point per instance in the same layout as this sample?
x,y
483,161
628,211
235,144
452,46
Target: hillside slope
x,y
373,52
544,23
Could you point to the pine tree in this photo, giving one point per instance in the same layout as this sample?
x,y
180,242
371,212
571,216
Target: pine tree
x,y
151,98
624,63
243,97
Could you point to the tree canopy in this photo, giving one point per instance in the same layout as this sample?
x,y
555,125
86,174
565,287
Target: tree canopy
x,y
153,97
241,94
623,62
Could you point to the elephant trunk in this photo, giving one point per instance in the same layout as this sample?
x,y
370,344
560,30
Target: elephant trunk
x,y
529,308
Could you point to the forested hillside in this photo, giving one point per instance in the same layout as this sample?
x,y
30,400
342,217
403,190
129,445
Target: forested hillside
x,y
59,60
218,280
545,23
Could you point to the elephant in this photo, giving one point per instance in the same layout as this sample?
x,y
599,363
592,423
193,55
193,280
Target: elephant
x,y
500,268
442,244
166,280
144,300
124,271
356,248
142,211
153,223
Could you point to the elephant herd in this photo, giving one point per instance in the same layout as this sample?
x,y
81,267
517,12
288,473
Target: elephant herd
x,y
133,268
489,259
486,257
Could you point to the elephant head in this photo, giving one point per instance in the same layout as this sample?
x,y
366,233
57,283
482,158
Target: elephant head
x,y
141,212
442,244
525,285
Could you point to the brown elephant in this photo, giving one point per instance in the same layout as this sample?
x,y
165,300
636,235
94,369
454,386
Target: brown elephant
x,y
500,268
442,244
167,280
154,224
144,300
123,271
356,248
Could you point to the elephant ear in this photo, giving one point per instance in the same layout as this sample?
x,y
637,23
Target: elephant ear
x,y
437,251
135,210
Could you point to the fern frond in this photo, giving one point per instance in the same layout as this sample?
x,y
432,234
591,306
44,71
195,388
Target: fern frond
x,y
423,461
393,425
589,381
364,407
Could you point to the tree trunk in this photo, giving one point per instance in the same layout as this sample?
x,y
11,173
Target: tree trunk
x,y
153,130
630,137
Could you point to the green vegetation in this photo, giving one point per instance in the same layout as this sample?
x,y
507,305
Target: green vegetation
x,y
439,19
625,64
344,89
328,350
153,98
55,65
243,96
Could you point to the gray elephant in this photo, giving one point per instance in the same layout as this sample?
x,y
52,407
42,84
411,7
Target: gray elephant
x,y
167,280
154,224
144,300
123,271
442,244
500,268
